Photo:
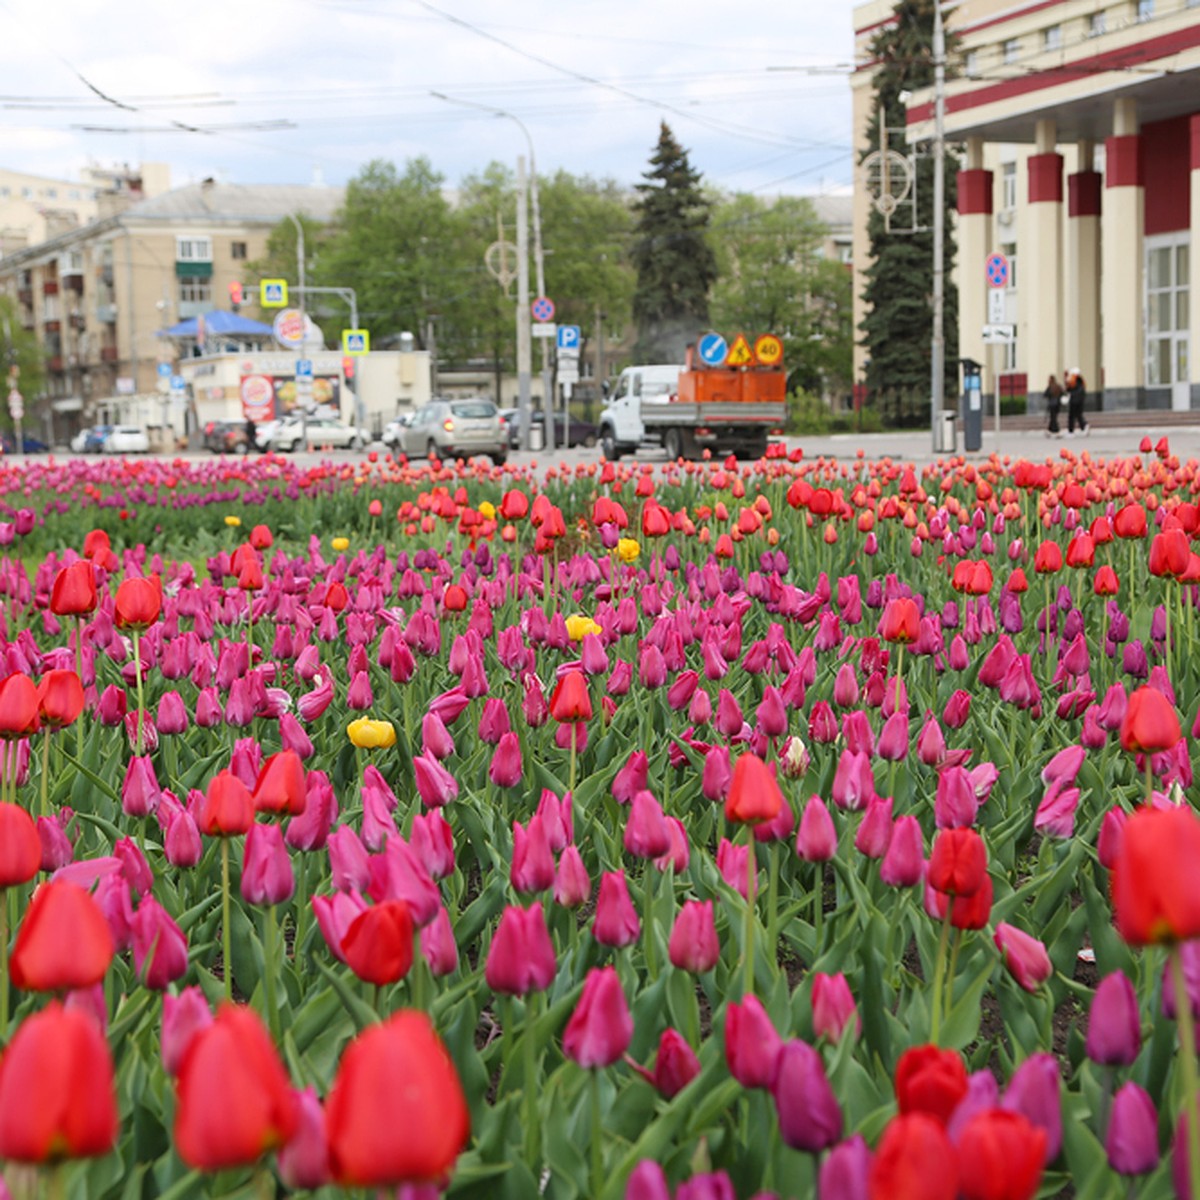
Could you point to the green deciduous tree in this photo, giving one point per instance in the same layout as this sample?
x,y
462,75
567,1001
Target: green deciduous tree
x,y
774,279
675,264
899,282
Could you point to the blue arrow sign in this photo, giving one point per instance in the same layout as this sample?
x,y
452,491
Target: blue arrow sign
x,y
569,337
164,370
304,368
713,349
178,383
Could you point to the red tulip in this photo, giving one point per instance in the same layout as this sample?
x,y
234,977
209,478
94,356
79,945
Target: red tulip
x,y
1155,896
395,1076
914,1161
60,698
228,808
901,620
138,603
571,701
20,847
1150,723
57,1093
958,862
1000,1157
233,1100
64,941
1049,558
930,1080
378,945
1169,551
754,795
1130,521
260,537
18,706
74,590
281,787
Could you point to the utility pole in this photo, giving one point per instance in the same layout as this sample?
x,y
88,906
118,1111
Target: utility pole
x,y
938,345
524,336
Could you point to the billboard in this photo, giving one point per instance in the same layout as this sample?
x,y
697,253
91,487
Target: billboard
x,y
265,397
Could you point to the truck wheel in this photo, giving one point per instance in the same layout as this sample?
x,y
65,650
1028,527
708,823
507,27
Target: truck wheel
x,y
673,443
608,446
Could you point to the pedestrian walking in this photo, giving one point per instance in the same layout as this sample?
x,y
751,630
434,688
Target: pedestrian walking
x,y
1054,395
1076,395
251,436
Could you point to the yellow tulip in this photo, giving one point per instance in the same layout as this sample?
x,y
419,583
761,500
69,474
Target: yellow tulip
x,y
340,543
368,734
579,626
628,549
487,510
233,522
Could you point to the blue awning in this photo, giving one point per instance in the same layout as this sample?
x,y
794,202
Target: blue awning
x,y
219,323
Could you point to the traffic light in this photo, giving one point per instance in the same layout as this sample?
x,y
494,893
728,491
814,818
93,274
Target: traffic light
x,y
348,366
235,295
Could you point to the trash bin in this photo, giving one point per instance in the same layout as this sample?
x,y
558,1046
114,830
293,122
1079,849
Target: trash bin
x,y
972,404
949,434
537,436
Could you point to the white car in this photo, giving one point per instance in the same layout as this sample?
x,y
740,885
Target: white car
x,y
127,439
292,433
393,431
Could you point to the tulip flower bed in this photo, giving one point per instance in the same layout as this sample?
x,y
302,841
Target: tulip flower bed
x,y
796,829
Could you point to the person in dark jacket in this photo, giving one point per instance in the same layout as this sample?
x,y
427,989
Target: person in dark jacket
x,y
1053,394
1076,395
251,436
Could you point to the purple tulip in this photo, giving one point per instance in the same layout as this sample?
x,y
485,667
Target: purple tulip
x,y
1132,1139
810,1118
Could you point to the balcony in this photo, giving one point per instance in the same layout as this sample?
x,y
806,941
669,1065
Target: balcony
x,y
55,363
54,326
50,287
108,354
78,320
25,295
74,282
106,314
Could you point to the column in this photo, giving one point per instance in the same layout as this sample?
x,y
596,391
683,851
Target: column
x,y
974,245
1194,269
1081,300
1122,227
1041,286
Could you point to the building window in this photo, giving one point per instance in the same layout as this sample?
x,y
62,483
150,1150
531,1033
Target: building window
x,y
27,193
1008,186
1012,50
195,289
73,194
1167,287
1052,38
237,250
1145,9
972,64
1096,24
193,249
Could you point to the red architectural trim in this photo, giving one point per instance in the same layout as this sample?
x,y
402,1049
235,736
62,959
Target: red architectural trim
x,y
974,193
1083,194
1125,56
1123,161
1195,124
1045,178
1002,18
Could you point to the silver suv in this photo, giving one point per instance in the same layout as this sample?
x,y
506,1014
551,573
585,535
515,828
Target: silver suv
x,y
457,428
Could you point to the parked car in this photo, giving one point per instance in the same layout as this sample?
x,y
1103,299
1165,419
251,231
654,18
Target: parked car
x,y
393,431
579,432
225,437
91,440
453,428
31,444
127,439
294,432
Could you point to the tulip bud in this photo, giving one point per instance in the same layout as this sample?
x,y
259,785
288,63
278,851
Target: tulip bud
x,y
1132,1139
833,1006
304,1160
183,1016
751,1043
810,1118
160,951
267,876
904,861
693,943
1024,956
521,957
600,1028
616,923
572,887
1034,1092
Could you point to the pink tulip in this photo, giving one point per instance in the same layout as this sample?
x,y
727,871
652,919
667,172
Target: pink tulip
x,y
183,1017
931,744
733,862
693,945
556,819
398,874
833,1006
904,862
955,804
432,841
435,785
572,887
348,860
1024,956
631,778
335,914
435,737
751,1043
304,1160
267,876
893,738
160,953
817,839
600,1028
532,867
616,923
493,722
310,830
646,831
293,737
181,844
717,774
140,792
437,944
675,1065
875,832
506,769
521,957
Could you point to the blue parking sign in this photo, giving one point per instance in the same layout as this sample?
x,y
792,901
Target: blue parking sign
x,y
304,368
569,337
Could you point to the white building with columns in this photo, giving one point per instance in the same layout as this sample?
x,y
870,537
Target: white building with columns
x,y
1079,127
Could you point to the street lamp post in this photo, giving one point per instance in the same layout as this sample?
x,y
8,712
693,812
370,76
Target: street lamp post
x,y
938,344
539,265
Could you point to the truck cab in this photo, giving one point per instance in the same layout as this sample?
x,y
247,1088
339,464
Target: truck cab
x,y
621,427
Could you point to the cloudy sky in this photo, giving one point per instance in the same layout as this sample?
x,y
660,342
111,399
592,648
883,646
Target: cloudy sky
x,y
273,91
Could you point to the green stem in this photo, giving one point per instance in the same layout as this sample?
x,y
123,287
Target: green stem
x,y
141,696
574,753
1187,1047
1149,778
530,1085
56,1182
772,901
226,930
45,809
748,947
597,1135
958,937
79,672
4,965
648,920
939,973
269,974
301,905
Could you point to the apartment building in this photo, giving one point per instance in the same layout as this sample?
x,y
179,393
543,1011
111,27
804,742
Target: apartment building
x,y
1079,126
97,295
